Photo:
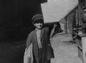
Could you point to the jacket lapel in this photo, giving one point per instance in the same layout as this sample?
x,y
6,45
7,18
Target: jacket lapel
x,y
42,32
41,36
35,36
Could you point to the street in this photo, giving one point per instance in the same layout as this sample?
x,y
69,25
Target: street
x,y
64,51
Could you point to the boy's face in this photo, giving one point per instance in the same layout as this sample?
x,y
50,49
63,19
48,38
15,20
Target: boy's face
x,y
38,25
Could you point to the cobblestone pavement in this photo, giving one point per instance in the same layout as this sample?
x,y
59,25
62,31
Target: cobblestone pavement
x,y
64,51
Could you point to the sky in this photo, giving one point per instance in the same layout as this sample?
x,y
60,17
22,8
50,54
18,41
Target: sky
x,y
14,12
15,17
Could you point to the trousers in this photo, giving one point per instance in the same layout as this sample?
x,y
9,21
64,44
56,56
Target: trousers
x,y
41,57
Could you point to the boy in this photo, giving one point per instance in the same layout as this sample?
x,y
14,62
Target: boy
x,y
39,39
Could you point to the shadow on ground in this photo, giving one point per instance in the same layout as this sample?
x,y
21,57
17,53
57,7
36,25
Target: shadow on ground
x,y
12,52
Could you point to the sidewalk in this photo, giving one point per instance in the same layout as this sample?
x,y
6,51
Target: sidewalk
x,y
64,51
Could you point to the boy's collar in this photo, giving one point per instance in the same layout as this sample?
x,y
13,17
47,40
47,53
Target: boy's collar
x,y
37,29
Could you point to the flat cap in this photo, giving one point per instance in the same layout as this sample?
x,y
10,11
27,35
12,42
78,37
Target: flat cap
x,y
37,17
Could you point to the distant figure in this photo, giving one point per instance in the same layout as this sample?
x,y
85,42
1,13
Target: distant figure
x,y
42,50
56,29
63,25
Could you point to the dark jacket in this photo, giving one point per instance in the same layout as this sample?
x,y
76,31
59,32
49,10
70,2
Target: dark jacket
x,y
32,38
